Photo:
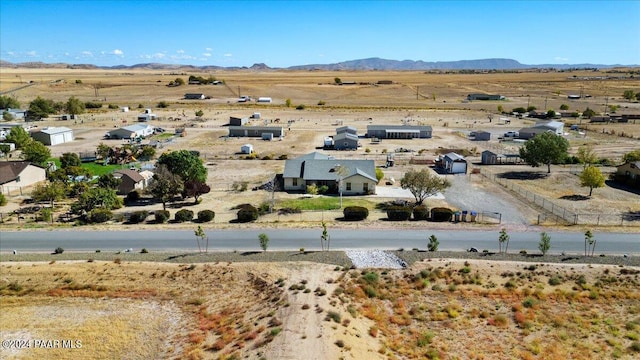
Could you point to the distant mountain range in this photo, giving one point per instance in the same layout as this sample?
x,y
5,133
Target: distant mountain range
x,y
362,64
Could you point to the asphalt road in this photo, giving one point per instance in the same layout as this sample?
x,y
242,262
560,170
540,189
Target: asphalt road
x,y
294,239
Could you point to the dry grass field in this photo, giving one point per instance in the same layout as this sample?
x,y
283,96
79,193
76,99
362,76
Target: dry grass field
x,y
436,309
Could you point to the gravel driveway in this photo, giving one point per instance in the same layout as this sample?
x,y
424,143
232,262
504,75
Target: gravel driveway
x,y
464,195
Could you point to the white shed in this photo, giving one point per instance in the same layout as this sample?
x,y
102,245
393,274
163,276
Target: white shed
x,y
246,149
53,135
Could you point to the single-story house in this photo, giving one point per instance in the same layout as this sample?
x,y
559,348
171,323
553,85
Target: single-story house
x,y
482,136
15,175
129,180
131,132
358,177
629,173
194,96
246,149
347,129
345,141
256,131
5,129
454,163
238,120
491,158
484,97
555,126
399,131
15,113
53,135
600,119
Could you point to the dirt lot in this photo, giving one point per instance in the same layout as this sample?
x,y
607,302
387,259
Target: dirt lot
x,y
301,310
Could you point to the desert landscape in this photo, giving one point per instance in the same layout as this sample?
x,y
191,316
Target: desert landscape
x,y
318,305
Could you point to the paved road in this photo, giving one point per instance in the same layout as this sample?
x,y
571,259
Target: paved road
x,y
293,239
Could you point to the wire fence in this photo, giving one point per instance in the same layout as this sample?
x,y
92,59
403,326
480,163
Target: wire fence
x,y
554,213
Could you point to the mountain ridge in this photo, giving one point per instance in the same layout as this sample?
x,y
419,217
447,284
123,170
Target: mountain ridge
x,y
374,63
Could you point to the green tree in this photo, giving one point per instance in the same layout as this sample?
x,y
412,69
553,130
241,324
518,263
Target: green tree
x,y
74,106
5,149
166,185
531,108
8,102
589,243
96,197
36,152
503,238
6,116
184,163
287,103
545,243
3,200
564,107
264,241
551,114
19,136
629,95
108,181
586,155
179,81
519,110
40,108
51,192
423,184
588,113
433,243
69,159
544,149
201,236
592,177
337,80
325,237
379,174
631,156
199,113
500,109
102,151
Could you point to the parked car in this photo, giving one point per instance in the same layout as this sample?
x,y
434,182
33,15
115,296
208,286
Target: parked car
x,y
511,134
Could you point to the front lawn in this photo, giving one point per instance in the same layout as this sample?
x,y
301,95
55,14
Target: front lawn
x,y
324,203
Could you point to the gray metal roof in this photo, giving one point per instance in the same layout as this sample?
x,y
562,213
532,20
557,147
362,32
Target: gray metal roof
x,y
345,135
55,130
399,127
316,166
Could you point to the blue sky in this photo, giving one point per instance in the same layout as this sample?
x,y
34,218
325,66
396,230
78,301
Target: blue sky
x,y
287,33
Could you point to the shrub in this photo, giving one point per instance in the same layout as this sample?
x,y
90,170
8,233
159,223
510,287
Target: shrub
x,y
247,213
323,189
133,196
332,315
420,212
113,106
555,281
300,107
161,216
3,200
58,250
240,186
163,104
355,213
144,251
441,214
399,213
92,105
184,215
137,217
312,189
98,216
206,215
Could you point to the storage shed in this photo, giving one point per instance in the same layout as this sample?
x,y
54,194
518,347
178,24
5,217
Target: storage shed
x,y
454,163
246,149
53,135
235,120
482,136
256,131
131,132
345,141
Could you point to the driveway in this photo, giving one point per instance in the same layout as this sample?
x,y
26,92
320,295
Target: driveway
x,y
466,195
397,192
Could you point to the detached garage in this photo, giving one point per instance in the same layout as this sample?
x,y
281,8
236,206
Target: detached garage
x,y
454,163
53,135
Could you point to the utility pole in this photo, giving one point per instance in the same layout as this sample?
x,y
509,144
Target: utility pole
x,y
417,92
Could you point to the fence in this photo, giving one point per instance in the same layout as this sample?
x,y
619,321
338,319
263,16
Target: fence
x,y
557,214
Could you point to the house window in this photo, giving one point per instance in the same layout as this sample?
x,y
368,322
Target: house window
x,y
295,182
348,186
365,187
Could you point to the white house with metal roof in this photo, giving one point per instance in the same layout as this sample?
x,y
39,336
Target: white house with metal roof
x,y
53,135
357,177
131,131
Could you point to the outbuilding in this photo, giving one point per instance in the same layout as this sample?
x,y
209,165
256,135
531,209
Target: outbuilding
x,y
454,163
235,120
246,149
196,96
53,135
264,100
131,132
345,141
482,136
256,131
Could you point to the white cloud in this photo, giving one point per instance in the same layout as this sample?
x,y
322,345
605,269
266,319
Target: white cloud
x,y
180,51
559,58
206,55
10,53
209,49
154,56
87,53
228,55
32,53
118,52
